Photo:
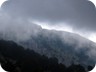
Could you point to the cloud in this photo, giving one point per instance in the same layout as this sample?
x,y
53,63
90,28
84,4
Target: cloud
x,y
17,19
79,14
18,28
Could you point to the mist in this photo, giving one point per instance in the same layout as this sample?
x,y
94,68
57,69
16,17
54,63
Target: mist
x,y
16,28
20,20
63,15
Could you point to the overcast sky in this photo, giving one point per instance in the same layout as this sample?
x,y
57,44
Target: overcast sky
x,y
79,15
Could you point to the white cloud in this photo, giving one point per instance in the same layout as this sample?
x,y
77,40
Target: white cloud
x,y
94,2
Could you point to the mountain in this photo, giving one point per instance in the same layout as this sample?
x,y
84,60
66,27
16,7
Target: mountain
x,y
14,58
68,48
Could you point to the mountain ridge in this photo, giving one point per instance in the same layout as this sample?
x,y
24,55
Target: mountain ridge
x,y
25,60
67,47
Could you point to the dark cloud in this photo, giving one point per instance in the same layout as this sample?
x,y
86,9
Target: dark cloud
x,y
78,13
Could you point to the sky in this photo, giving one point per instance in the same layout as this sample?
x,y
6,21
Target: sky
x,y
76,16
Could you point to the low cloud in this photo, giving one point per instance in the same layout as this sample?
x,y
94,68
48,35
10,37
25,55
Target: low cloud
x,y
78,16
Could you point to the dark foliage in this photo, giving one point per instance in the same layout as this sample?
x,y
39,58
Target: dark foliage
x,y
15,58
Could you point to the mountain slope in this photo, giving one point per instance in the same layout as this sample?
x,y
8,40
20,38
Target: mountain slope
x,y
67,47
14,58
